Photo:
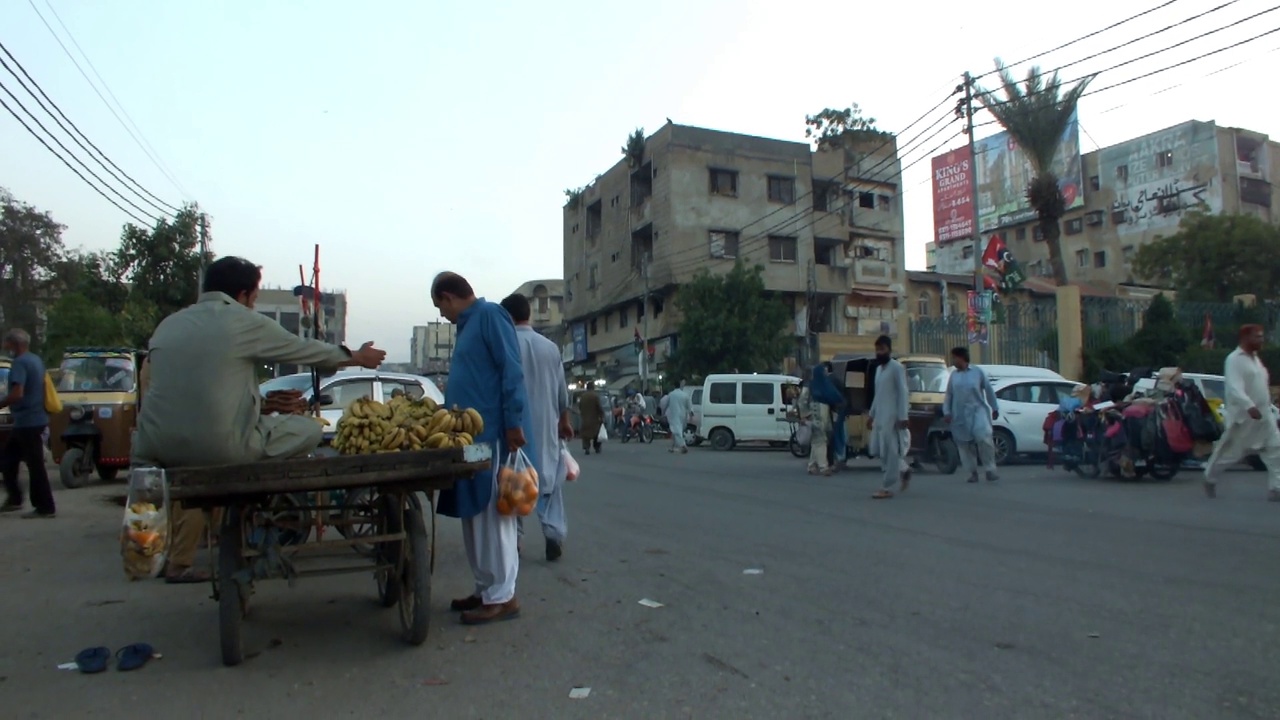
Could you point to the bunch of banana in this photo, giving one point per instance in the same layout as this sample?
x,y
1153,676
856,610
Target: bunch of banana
x,y
368,426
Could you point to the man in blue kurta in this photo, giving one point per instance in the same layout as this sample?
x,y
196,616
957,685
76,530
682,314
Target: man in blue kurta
x,y
485,374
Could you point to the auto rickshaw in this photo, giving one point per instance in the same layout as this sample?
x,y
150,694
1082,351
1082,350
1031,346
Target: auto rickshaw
x,y
926,387
99,392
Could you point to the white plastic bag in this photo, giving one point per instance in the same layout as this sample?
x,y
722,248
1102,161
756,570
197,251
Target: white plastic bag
x,y
144,536
804,433
571,467
603,435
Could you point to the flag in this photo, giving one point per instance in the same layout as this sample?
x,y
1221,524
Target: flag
x,y
998,258
1207,339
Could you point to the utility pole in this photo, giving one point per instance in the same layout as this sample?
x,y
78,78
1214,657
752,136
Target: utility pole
x,y
978,285
204,252
808,352
644,341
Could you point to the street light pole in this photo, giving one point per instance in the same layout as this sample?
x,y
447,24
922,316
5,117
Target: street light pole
x,y
978,285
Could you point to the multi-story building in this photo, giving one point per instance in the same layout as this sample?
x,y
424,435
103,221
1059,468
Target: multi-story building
x,y
546,301
281,305
1136,192
826,226
431,346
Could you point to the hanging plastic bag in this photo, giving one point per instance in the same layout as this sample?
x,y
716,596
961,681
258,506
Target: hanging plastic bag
x,y
517,485
52,402
572,469
144,536
804,434
603,435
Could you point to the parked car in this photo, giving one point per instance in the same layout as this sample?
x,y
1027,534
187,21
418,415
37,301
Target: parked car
x,y
745,408
345,387
1024,404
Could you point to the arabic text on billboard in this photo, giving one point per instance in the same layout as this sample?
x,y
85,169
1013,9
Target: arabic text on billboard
x,y
1153,180
952,195
1004,172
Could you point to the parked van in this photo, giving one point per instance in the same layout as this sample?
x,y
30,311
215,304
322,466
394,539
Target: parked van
x,y
746,408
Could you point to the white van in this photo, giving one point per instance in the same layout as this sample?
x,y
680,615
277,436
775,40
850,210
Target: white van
x,y
746,408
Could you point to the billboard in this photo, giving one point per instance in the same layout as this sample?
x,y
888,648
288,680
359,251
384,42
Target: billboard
x,y
1004,172
1153,180
953,196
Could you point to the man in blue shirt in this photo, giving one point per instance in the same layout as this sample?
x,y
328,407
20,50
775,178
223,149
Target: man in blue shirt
x,y
26,444
485,373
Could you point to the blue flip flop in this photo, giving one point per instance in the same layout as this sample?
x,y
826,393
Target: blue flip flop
x,y
93,660
134,656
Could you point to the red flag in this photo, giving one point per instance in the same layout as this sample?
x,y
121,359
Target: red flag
x,y
1207,339
997,254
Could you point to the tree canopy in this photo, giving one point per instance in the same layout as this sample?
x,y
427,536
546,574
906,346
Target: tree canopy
x,y
1213,258
163,263
840,129
30,253
729,321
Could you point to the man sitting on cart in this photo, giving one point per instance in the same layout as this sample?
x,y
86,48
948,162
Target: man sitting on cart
x,y
202,405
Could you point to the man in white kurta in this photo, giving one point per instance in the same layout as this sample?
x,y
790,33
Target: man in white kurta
x,y
548,412
679,408
1249,425
890,438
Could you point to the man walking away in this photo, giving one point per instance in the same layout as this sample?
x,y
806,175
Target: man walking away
x,y
817,415
485,374
591,419
887,419
548,414
969,408
679,408
1250,426
26,443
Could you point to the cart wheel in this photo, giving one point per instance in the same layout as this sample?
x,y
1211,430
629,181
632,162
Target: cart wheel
x,y
387,520
233,600
356,519
415,594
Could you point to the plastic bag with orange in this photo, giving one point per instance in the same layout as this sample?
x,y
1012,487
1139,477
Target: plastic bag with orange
x,y
517,485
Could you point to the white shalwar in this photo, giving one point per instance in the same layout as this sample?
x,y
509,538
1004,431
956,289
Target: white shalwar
x,y
548,396
890,406
490,541
1247,386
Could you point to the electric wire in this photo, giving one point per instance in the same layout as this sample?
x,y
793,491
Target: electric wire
x,y
78,136
1232,66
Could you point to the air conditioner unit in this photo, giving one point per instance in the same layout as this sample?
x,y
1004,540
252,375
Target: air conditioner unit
x,y
1093,218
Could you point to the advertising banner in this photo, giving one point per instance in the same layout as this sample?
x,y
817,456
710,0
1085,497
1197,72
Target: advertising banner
x,y
579,342
979,316
1004,172
1155,179
952,196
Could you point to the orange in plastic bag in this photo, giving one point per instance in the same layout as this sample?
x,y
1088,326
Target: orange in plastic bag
x,y
517,486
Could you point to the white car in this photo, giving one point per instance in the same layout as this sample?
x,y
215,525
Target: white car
x,y
341,389
1024,404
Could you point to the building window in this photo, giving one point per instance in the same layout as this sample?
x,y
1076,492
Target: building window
x,y
782,249
640,309
1122,173
623,319
723,243
1100,259
953,305
782,189
867,200
1082,258
593,327
1021,233
922,305
657,307
967,252
1037,233
1164,159
724,182
1075,226
608,321
827,251
1093,183
884,202
595,219
822,192
593,277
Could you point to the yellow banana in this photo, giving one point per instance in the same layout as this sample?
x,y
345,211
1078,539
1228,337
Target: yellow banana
x,y
465,439
357,408
390,440
437,440
438,421
477,422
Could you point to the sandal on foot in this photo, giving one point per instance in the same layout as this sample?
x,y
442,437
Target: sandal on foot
x,y
132,657
882,495
93,660
187,576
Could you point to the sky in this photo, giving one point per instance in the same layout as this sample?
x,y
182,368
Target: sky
x,y
406,138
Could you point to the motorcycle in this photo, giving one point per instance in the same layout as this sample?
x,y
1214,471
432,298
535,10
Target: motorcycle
x,y
639,426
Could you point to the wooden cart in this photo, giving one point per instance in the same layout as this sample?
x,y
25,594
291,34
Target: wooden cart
x,y
372,500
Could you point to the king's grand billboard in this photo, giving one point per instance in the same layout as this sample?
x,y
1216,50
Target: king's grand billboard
x,y
1004,171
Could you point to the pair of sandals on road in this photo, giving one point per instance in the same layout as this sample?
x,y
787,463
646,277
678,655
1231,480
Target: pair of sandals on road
x,y
884,494
130,657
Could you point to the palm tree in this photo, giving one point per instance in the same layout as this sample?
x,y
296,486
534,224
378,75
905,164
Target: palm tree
x,y
1036,113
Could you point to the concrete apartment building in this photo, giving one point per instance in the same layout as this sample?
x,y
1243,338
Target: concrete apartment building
x,y
546,301
281,305
431,346
1136,192
826,226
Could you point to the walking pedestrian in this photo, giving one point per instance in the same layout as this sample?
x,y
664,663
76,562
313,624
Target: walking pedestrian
x,y
1250,426
25,401
590,419
679,408
887,420
969,408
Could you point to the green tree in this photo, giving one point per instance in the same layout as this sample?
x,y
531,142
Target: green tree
x,y
95,309
1212,258
31,251
832,129
1162,339
162,264
729,321
1036,113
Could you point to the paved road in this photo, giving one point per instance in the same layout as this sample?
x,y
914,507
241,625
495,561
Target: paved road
x,y
1044,596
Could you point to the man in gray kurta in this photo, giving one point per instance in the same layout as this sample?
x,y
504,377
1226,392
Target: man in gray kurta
x,y
890,438
201,405
679,408
548,409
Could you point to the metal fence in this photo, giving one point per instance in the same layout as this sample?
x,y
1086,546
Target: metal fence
x,y
1027,334
1110,321
938,335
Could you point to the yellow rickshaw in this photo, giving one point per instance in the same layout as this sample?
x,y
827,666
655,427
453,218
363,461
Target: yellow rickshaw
x,y
99,392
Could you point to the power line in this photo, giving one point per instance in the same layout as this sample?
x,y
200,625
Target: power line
x,y
69,166
141,144
105,184
1202,77
78,135
1095,33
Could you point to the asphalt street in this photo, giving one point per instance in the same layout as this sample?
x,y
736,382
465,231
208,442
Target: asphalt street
x,y
1041,596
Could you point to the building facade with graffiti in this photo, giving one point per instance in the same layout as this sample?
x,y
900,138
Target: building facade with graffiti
x,y
1134,192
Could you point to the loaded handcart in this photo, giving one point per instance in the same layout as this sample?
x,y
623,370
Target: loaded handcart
x,y
274,515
